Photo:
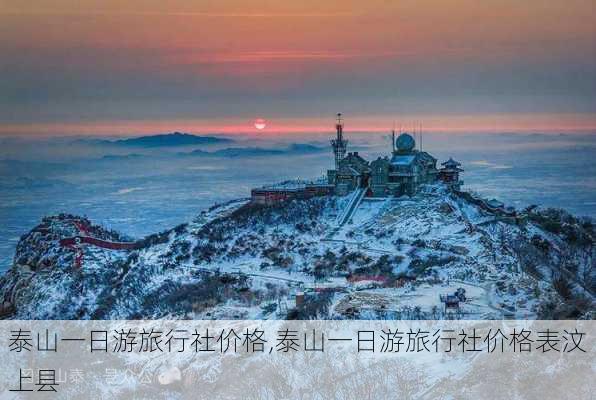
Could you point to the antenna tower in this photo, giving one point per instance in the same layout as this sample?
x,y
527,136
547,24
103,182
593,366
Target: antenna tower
x,y
338,144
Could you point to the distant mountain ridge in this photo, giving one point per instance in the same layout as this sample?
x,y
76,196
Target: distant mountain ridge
x,y
294,148
236,152
166,140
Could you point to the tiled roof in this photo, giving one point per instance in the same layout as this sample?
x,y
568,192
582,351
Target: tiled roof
x,y
403,160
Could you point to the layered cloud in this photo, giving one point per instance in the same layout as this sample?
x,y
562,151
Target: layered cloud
x,y
66,64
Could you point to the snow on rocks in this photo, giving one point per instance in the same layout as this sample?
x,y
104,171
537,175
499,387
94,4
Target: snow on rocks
x,y
393,259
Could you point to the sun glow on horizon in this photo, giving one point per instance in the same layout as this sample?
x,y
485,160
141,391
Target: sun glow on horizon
x,y
113,67
260,124
523,123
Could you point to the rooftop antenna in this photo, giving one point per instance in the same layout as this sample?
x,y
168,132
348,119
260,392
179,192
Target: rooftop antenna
x,y
393,137
419,137
420,129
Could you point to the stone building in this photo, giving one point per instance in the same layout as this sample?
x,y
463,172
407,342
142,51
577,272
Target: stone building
x,y
404,171
450,173
400,174
290,190
353,173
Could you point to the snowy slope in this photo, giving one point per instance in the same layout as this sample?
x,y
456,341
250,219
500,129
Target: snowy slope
x,y
392,259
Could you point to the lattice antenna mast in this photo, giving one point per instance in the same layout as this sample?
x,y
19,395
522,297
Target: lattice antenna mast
x,y
338,144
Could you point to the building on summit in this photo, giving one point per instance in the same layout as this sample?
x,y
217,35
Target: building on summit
x,y
449,174
289,190
400,174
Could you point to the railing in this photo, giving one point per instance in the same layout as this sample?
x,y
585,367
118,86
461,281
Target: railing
x,y
72,241
356,198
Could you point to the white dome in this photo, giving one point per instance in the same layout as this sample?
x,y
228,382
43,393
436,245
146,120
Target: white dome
x,y
405,142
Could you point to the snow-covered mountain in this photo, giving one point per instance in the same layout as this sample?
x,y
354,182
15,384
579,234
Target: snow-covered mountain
x,y
394,258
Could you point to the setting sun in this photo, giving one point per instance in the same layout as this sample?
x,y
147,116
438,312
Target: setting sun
x,y
260,124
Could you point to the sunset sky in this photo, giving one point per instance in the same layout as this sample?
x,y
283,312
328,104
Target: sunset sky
x,y
129,67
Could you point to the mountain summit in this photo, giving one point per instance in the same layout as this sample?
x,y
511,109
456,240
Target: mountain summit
x,y
434,255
